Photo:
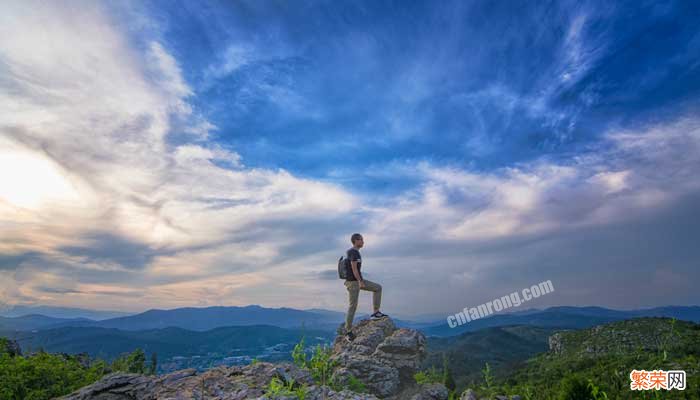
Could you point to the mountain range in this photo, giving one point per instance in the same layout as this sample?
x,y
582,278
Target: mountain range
x,y
207,318
59,312
564,317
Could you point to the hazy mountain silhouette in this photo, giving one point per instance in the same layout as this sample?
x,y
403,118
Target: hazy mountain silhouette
x,y
565,317
206,318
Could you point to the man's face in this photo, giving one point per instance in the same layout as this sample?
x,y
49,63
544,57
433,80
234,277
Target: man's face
x,y
359,243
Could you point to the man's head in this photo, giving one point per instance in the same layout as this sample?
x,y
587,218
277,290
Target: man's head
x,y
357,240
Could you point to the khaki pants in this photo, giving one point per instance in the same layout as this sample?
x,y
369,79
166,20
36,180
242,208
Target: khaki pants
x,y
354,292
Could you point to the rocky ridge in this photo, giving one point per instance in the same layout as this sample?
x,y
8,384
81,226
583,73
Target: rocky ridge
x,y
622,337
382,357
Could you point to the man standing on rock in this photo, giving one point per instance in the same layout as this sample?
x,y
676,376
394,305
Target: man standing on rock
x,y
354,283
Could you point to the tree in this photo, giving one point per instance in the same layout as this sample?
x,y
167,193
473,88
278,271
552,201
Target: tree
x,y
134,362
44,376
154,364
575,388
447,379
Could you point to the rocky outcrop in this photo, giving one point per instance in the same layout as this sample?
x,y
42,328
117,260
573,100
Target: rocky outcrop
x,y
10,347
433,391
468,395
555,343
620,337
382,357
221,383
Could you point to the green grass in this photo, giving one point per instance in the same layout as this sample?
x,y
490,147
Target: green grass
x,y
278,388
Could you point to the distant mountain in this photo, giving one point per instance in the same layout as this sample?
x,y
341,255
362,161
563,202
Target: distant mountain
x,y
329,313
563,317
34,321
60,312
206,318
550,319
685,313
108,343
419,318
200,319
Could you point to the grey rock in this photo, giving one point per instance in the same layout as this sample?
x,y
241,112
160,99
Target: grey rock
x,y
382,357
381,380
117,385
434,391
12,348
324,393
404,349
468,395
368,335
555,343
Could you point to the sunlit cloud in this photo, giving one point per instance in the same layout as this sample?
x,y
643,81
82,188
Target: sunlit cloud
x,y
86,160
120,185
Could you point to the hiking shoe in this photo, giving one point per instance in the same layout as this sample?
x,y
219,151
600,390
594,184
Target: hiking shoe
x,y
350,336
378,315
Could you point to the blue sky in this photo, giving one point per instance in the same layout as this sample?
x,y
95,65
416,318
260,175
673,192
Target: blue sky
x,y
221,153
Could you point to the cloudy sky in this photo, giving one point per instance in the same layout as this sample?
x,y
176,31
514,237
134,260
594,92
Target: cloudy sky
x,y
161,155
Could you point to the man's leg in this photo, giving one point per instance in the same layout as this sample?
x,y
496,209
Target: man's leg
x,y
376,295
353,293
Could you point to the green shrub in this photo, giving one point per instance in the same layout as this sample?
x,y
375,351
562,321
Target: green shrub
x,y
447,378
428,376
596,393
489,386
153,366
134,362
575,388
321,368
320,365
301,392
299,354
278,388
44,376
356,385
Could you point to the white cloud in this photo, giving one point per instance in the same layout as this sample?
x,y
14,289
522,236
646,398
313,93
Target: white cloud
x,y
630,174
91,115
233,58
169,75
82,104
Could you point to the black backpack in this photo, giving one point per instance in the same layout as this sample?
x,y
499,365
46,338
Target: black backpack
x,y
342,268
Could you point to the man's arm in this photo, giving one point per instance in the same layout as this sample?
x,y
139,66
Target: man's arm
x,y
356,273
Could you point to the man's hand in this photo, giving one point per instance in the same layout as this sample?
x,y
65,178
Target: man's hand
x,y
362,284
356,273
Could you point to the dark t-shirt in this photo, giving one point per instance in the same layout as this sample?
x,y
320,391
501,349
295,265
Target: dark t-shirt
x,y
353,255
